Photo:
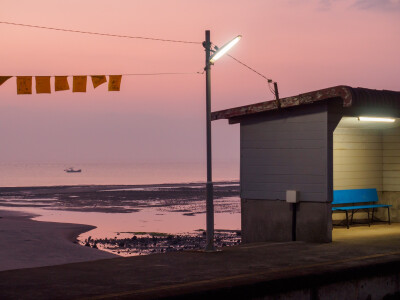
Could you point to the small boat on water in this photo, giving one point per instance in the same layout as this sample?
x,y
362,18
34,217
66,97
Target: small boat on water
x,y
71,170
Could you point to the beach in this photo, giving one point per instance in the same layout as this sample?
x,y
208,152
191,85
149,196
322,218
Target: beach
x,y
43,226
25,243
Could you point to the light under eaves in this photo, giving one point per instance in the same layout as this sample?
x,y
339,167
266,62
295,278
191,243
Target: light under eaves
x,y
375,119
225,48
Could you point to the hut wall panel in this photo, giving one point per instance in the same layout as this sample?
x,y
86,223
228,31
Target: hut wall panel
x,y
391,159
291,143
273,195
360,167
368,174
390,179
361,183
357,132
390,137
391,146
390,153
282,134
287,151
357,158
354,153
295,159
283,170
392,166
351,138
358,146
391,173
392,188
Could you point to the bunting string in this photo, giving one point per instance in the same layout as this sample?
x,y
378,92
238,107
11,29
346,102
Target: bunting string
x,y
79,83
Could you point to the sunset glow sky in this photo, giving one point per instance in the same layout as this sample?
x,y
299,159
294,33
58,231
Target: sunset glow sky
x,y
304,45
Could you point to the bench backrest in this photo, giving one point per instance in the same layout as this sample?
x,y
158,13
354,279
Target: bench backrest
x,y
354,196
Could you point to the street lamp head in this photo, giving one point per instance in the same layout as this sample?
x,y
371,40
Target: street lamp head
x,y
225,48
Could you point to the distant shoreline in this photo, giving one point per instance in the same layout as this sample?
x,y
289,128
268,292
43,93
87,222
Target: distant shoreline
x,y
109,186
103,173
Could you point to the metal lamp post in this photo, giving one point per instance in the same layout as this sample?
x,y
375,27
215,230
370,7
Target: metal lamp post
x,y
209,185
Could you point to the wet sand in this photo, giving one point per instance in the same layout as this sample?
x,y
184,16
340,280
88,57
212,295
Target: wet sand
x,y
27,244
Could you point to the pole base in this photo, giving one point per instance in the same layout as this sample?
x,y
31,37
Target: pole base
x,y
210,249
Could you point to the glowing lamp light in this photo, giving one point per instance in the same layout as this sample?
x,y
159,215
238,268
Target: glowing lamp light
x,y
371,119
225,48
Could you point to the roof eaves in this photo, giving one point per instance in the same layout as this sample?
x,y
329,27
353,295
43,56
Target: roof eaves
x,y
343,92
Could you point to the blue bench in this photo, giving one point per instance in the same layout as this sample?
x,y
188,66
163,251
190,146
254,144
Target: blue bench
x,y
345,200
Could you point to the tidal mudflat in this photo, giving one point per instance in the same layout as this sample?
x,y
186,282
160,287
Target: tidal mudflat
x,y
134,219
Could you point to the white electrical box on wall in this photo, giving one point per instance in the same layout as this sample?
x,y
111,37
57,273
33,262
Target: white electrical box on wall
x,y
291,196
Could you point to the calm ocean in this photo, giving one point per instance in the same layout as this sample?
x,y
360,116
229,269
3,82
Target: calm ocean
x,y
51,174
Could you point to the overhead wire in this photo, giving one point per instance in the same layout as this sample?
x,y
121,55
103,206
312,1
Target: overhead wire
x,y
125,74
165,73
250,68
271,89
143,38
100,33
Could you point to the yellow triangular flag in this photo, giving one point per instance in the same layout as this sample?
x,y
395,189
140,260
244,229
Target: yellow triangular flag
x,y
4,79
42,84
79,84
114,83
24,85
98,80
61,83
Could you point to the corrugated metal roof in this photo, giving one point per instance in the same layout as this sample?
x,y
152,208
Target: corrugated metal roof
x,y
350,96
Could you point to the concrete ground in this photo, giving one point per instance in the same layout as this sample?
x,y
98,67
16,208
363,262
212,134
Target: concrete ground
x,y
244,271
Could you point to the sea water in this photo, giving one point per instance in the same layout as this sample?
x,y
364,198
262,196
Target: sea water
x,y
52,174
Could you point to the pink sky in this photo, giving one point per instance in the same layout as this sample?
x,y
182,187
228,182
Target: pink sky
x,y
303,45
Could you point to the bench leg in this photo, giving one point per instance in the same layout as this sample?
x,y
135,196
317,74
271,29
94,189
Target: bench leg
x,y
389,214
369,223
352,214
347,219
372,219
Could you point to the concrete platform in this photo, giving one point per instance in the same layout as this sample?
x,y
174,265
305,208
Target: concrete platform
x,y
362,263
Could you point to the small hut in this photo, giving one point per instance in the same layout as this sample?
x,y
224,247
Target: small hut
x,y
306,146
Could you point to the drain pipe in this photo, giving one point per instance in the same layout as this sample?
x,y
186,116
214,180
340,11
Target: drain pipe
x,y
292,199
294,209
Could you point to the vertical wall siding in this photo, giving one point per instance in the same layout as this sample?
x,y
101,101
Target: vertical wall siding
x,y
391,159
287,151
357,158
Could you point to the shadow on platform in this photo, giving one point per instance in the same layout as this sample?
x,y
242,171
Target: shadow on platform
x,y
361,263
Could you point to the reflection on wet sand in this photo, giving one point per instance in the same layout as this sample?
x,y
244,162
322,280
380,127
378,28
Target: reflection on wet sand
x,y
144,243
